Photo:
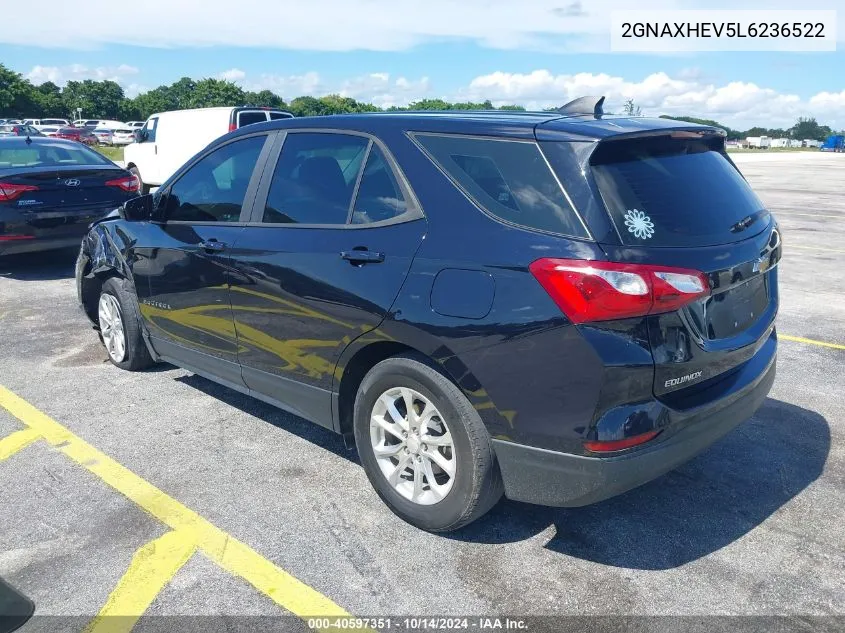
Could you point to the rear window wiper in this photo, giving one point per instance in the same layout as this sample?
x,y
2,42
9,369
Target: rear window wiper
x,y
747,221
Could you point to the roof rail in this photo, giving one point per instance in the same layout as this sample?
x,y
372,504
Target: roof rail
x,y
583,105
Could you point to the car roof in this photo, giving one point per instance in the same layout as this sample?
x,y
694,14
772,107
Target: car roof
x,y
504,123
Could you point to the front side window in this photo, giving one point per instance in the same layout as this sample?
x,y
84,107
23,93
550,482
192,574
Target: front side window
x,y
213,189
315,178
509,179
148,132
379,196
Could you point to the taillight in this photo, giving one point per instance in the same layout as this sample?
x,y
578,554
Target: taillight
x,y
601,291
128,183
609,446
9,191
232,127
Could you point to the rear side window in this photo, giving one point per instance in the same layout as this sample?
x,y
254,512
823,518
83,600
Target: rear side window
x,y
314,178
248,118
275,116
665,191
379,196
509,179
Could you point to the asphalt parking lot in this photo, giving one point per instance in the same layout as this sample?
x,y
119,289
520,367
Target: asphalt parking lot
x,y
272,515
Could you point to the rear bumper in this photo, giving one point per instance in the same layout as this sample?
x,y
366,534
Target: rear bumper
x,y
551,478
39,244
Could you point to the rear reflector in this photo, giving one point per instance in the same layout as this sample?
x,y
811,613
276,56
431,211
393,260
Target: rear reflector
x,y
601,291
12,238
128,183
9,191
618,445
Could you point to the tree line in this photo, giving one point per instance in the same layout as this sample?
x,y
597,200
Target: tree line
x,y
804,128
106,100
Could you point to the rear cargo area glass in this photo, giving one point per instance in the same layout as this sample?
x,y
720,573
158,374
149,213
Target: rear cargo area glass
x,y
665,191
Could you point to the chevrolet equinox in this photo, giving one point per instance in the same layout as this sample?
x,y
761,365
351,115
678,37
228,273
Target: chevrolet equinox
x,y
554,306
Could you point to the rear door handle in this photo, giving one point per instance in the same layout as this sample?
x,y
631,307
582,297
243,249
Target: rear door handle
x,y
362,256
213,246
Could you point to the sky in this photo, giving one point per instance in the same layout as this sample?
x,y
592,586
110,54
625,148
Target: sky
x,y
536,53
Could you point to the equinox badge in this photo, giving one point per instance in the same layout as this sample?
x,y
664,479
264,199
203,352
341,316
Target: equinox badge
x,y
679,381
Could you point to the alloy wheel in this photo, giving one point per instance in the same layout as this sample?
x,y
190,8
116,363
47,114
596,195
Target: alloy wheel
x,y
111,328
413,445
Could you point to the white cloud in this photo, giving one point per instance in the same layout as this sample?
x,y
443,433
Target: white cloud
x,y
738,104
378,88
60,75
233,74
341,25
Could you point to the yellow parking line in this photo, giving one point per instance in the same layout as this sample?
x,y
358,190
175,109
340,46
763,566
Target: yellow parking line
x,y
18,440
152,567
809,215
234,556
809,341
812,248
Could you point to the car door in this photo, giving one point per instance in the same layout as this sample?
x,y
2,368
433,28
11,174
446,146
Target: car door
x,y
182,271
331,239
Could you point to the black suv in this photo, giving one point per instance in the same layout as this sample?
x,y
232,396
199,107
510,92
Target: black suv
x,y
554,306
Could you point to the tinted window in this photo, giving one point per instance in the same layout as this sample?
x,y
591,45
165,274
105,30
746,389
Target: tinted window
x,y
248,118
213,189
379,196
314,178
50,154
275,116
670,192
510,179
149,129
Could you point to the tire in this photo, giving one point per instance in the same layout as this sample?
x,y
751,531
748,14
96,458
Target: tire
x,y
145,189
476,485
125,323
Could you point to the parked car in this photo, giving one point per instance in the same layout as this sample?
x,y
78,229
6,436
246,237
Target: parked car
x,y
560,306
104,124
49,130
104,135
19,129
168,139
123,136
81,134
52,189
135,124
39,123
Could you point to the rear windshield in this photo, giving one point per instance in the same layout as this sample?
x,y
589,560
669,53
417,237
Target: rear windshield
x,y
509,179
49,155
665,191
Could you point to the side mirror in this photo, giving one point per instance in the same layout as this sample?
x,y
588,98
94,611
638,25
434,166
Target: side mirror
x,y
140,136
138,209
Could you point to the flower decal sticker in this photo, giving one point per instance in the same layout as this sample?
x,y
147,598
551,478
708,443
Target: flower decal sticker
x,y
639,224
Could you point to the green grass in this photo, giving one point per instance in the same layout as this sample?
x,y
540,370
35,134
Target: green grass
x,y
112,153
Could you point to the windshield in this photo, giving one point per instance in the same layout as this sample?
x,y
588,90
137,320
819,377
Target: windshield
x,y
664,191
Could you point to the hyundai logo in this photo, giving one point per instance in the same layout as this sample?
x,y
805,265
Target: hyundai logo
x,y
72,182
